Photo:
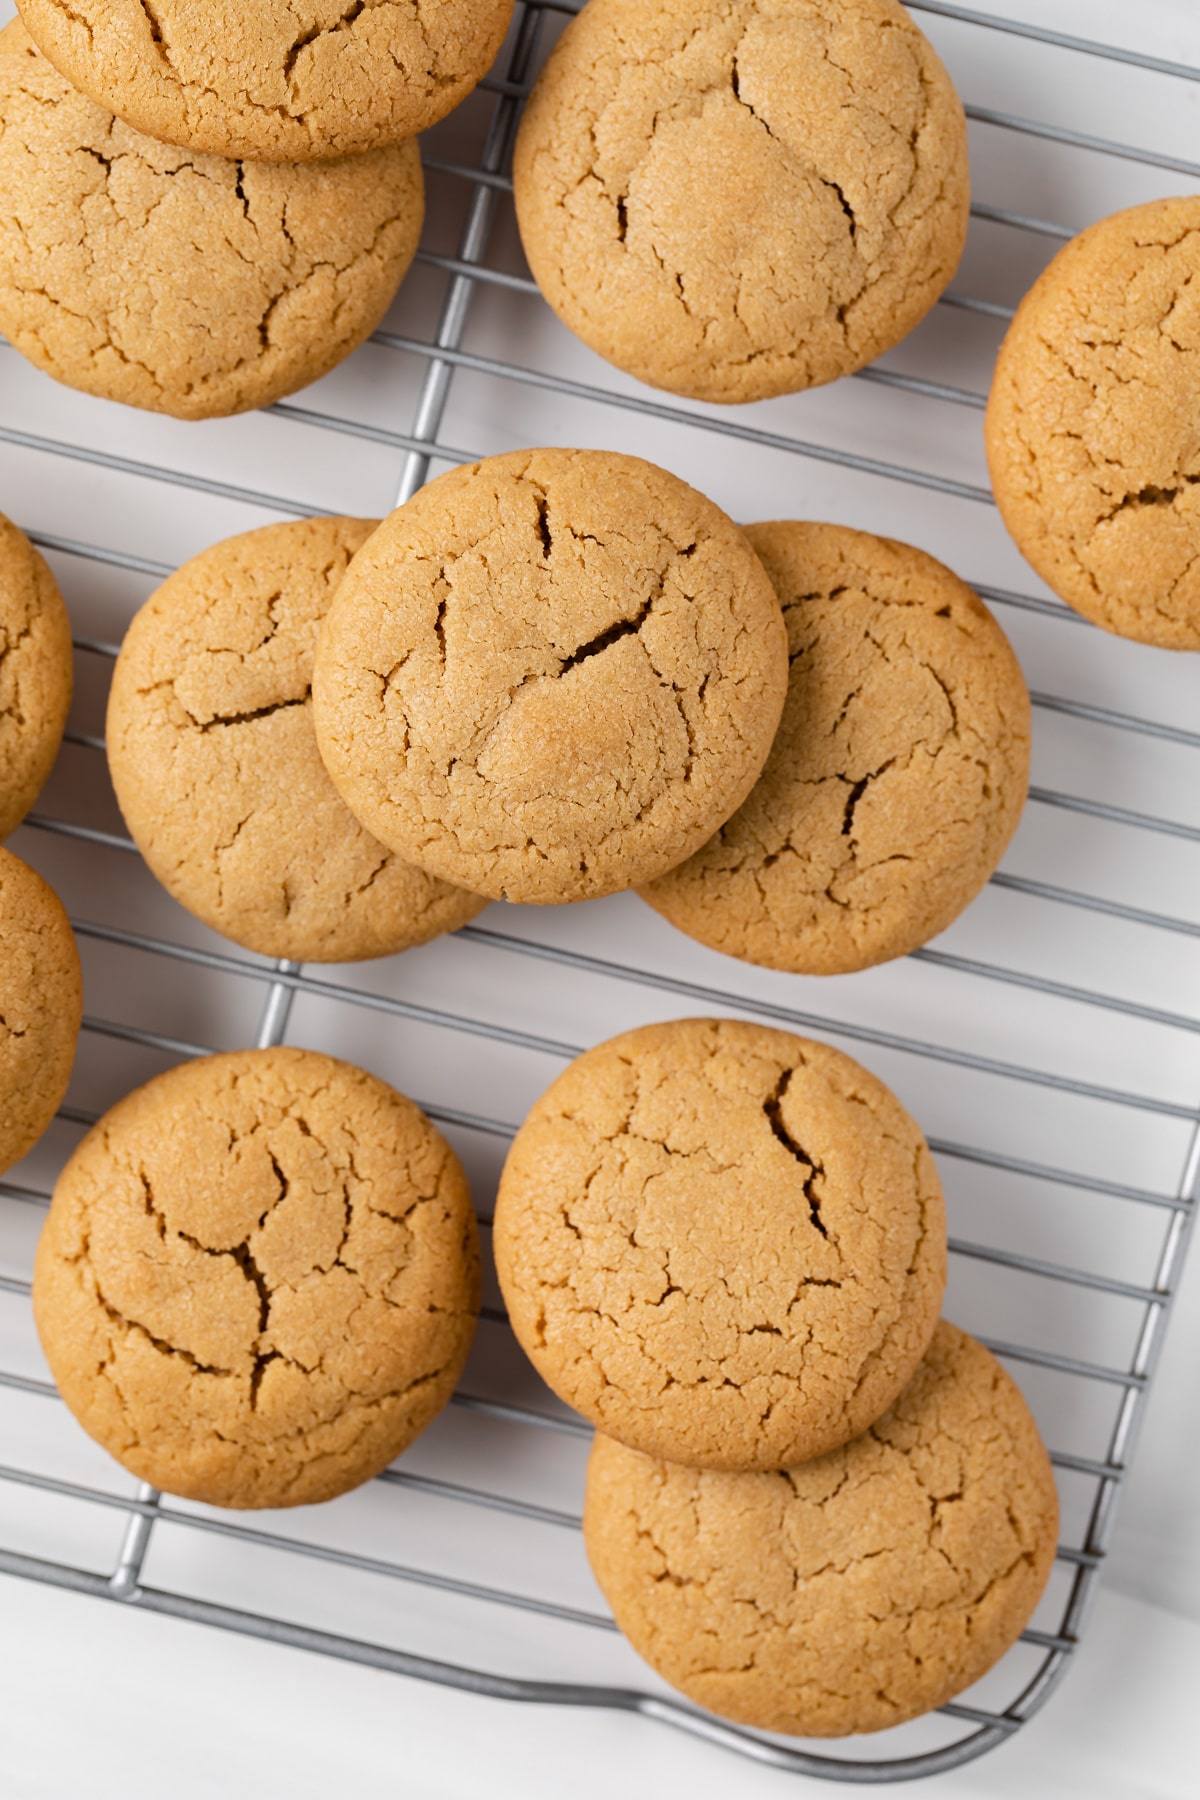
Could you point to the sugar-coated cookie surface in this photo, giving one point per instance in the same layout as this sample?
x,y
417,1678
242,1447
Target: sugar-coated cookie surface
x,y
721,1243
215,763
41,1001
36,674
897,776
1092,427
853,1593
179,282
550,675
737,198
259,1278
272,79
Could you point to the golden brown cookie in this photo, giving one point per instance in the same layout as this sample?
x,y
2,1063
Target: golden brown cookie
x,y
851,1594
216,769
259,1278
897,776
721,1243
179,282
36,674
1093,424
268,79
737,198
551,675
41,1002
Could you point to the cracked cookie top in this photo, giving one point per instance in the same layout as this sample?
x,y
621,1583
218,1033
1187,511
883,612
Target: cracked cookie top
x,y
273,80
861,1590
215,763
723,1244
742,198
36,674
259,1278
551,675
1093,424
41,1000
178,282
897,776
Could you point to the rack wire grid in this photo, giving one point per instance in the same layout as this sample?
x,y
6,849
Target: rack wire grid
x,y
1039,1043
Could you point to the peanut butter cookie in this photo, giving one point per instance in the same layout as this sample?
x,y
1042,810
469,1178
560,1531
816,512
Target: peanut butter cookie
x,y
41,1002
897,776
551,675
737,198
215,763
270,79
861,1590
36,674
259,1278
1093,424
723,1244
179,282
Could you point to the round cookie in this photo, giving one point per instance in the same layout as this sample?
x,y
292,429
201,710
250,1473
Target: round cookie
x,y
268,80
742,198
41,1003
183,283
896,779
854,1593
216,769
721,1243
259,1278
551,675
36,674
1093,424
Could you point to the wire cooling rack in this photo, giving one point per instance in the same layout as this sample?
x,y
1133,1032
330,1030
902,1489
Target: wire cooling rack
x,y
1040,1042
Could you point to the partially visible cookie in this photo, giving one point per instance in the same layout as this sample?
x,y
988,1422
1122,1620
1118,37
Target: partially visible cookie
x,y
259,1278
897,776
179,282
216,768
851,1594
41,1003
721,1243
1093,424
737,198
268,80
36,674
551,675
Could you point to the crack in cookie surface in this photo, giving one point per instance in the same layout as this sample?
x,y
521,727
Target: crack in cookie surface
x,y
859,1590
898,774
745,199
259,1278
721,1243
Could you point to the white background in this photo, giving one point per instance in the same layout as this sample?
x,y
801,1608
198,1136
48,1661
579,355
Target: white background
x,y
102,1701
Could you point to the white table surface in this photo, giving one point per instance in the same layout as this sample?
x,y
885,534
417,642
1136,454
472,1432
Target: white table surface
x,y
110,1704
101,1701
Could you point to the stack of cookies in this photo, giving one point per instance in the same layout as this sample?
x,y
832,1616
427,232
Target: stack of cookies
x,y
205,207
554,675
549,676
812,1507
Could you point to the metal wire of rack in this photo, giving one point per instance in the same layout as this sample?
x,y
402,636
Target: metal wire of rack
x,y
245,999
